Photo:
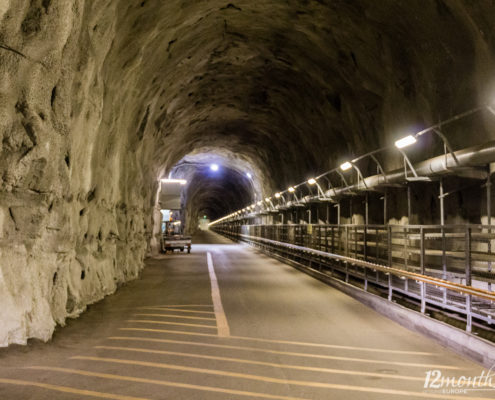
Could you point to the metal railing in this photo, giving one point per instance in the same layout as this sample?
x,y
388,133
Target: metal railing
x,y
445,266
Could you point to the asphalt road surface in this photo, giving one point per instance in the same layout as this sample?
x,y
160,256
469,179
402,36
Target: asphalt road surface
x,y
226,322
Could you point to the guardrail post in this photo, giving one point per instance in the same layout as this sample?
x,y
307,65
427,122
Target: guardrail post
x,y
406,256
355,241
422,265
489,223
389,245
406,252
469,317
444,262
347,241
319,248
365,240
390,290
346,253
333,240
377,246
326,239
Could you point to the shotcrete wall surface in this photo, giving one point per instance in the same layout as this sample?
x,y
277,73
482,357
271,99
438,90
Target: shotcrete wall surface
x,y
99,99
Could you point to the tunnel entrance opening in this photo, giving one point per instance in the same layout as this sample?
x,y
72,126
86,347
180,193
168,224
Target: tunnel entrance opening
x,y
217,181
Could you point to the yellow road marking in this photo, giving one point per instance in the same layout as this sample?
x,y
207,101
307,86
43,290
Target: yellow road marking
x,y
335,346
268,364
166,383
66,389
174,316
185,305
224,373
144,321
222,324
176,309
323,356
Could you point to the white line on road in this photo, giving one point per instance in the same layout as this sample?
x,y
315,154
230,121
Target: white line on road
x,y
222,324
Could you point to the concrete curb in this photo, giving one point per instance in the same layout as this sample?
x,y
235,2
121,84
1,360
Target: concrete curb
x,y
466,344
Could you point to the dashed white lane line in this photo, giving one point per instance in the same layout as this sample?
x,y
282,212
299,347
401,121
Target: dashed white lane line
x,y
222,324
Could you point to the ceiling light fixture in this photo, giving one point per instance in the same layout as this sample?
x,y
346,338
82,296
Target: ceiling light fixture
x,y
345,166
405,141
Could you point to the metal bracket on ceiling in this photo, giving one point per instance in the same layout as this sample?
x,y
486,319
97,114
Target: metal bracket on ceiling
x,y
330,185
359,175
379,167
415,177
447,148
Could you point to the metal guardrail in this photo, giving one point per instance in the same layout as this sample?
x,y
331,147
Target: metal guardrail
x,y
447,266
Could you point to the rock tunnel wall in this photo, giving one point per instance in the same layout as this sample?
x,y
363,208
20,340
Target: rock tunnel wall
x,y
74,204
98,98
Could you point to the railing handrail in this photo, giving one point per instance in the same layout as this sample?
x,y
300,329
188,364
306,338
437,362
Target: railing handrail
x,y
457,287
384,226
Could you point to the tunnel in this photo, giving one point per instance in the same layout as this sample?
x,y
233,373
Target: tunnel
x,y
330,161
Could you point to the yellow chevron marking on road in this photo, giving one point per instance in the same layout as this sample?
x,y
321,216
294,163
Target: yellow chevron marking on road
x,y
322,356
66,389
145,321
166,383
174,316
176,310
268,364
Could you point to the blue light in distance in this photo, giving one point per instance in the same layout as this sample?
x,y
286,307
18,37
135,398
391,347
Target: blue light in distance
x,y
214,167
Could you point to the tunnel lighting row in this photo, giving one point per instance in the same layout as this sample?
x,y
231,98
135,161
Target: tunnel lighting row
x,y
399,144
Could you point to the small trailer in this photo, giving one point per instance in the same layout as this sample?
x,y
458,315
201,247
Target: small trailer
x,y
180,242
173,238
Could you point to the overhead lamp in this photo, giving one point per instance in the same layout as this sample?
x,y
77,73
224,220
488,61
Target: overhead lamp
x,y
214,167
267,199
249,175
291,189
345,166
181,181
405,141
277,195
312,181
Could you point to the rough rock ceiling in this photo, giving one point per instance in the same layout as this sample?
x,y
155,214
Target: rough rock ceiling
x,y
294,86
98,99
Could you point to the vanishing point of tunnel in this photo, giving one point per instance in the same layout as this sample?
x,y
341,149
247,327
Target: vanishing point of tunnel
x,y
279,199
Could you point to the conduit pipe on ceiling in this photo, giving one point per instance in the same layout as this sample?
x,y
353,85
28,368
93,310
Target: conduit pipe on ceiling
x,y
476,156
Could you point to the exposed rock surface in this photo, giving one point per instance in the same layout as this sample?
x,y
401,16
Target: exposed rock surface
x,y
99,98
